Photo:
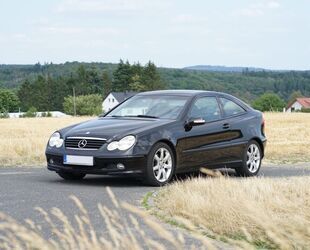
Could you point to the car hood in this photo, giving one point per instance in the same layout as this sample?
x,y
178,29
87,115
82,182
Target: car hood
x,y
110,127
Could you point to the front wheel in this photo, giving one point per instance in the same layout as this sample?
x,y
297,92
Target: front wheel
x,y
160,165
71,176
252,160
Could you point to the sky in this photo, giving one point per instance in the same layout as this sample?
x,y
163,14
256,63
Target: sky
x,y
273,34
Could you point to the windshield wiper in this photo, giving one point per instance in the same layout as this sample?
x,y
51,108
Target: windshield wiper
x,y
147,116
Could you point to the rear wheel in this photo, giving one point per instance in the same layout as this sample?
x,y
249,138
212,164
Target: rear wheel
x,y
71,176
252,160
160,165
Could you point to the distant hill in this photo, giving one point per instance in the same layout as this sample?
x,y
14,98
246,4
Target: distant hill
x,y
224,68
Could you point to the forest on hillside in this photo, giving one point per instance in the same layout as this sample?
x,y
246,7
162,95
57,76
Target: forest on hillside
x,y
45,86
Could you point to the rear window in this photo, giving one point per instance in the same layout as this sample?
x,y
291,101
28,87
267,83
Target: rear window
x,y
231,108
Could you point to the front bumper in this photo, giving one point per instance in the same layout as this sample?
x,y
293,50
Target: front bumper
x,y
133,165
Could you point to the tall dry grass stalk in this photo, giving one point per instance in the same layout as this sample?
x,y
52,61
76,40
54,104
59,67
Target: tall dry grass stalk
x,y
120,232
23,141
265,212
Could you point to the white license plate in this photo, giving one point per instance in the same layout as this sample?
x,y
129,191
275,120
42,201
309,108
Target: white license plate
x,y
79,160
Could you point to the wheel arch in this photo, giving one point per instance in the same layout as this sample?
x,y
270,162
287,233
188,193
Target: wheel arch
x,y
171,145
260,143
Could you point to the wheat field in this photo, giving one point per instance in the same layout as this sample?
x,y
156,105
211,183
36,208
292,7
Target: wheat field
x,y
23,141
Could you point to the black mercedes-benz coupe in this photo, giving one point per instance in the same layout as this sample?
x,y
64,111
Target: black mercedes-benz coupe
x,y
160,133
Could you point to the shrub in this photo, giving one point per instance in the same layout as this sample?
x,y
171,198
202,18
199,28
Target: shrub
x,y
269,102
305,110
32,112
4,114
85,105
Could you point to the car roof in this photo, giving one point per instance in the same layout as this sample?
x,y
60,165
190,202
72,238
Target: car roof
x,y
186,92
177,92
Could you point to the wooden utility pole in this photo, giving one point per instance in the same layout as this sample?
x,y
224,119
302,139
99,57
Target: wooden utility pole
x,y
74,103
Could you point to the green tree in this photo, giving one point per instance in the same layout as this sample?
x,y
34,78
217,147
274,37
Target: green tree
x,y
8,101
85,104
269,102
122,77
107,83
151,78
294,95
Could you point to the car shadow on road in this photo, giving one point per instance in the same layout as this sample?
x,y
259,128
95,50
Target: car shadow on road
x,y
136,181
98,180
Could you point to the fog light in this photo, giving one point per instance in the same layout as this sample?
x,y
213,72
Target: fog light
x,y
120,166
51,161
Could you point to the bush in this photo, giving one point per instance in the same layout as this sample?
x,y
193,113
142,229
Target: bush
x,y
85,105
8,100
4,114
305,110
32,112
269,102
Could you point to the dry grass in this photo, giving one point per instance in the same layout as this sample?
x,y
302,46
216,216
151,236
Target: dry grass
x,y
120,233
265,212
23,141
288,137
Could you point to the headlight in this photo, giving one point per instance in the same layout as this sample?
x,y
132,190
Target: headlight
x,y
124,144
55,140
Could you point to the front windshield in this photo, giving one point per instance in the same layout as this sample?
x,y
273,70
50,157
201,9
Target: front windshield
x,y
152,106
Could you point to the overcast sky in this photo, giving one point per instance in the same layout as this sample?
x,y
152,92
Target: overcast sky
x,y
173,33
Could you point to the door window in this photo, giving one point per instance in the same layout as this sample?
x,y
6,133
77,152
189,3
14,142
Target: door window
x,y
231,108
206,108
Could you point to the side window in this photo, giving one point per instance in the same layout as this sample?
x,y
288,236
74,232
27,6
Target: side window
x,y
206,108
231,108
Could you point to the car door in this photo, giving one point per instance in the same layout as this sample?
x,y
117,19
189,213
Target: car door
x,y
235,119
205,144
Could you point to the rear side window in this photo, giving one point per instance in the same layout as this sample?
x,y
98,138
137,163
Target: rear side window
x,y
231,108
206,108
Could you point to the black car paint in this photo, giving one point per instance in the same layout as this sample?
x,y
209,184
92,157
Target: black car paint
x,y
219,143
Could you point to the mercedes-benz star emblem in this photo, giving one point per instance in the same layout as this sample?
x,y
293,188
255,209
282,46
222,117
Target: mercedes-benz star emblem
x,y
82,143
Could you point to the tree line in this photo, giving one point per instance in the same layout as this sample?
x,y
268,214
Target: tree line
x,y
90,86
47,87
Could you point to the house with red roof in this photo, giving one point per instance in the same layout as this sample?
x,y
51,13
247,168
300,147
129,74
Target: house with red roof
x,y
298,104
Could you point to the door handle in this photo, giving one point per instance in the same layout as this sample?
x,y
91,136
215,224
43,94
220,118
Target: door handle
x,y
226,126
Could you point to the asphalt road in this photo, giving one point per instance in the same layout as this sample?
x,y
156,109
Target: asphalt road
x,y
22,189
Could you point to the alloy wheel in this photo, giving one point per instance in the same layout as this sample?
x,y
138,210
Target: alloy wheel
x,y
162,164
253,158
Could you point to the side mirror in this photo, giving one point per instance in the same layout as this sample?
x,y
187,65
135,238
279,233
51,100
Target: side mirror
x,y
103,114
194,122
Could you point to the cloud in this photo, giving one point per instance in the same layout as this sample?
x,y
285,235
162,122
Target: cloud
x,y
257,9
188,19
109,5
72,30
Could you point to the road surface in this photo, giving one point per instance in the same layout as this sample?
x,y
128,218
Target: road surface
x,y
22,189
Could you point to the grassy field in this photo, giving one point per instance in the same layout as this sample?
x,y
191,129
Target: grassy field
x,y
23,141
288,137
266,213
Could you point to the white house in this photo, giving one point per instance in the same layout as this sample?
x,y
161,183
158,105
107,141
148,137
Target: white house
x,y
298,104
114,98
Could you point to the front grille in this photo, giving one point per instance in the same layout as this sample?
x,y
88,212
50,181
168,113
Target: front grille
x,y
86,143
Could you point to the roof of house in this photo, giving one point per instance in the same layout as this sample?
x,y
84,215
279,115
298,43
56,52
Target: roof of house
x,y
304,101
122,96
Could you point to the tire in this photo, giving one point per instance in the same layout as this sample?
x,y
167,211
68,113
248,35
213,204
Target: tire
x,y
160,165
71,176
252,160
